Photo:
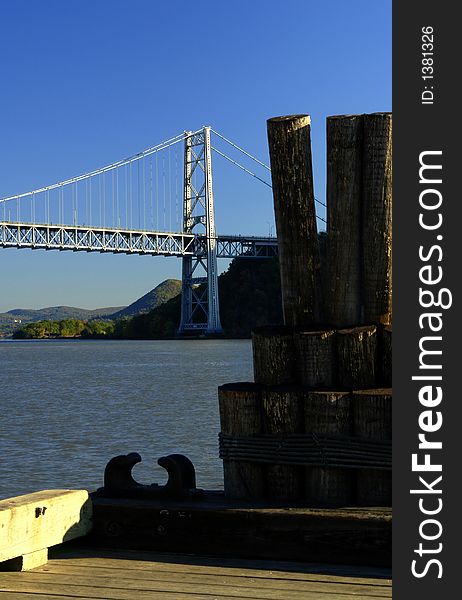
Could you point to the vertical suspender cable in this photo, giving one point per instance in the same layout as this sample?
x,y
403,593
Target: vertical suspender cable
x,y
144,193
177,208
117,198
164,191
100,194
73,202
87,200
151,215
113,198
138,195
170,188
131,197
104,201
157,194
126,195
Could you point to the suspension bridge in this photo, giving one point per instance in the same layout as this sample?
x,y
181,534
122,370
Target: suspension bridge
x,y
156,202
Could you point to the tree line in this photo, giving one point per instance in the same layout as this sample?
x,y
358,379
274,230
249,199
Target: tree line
x,y
67,328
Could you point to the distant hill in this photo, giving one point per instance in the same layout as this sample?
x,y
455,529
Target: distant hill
x,y
57,313
12,320
164,292
16,318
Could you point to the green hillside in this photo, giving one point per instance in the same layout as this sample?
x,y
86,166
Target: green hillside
x,y
250,296
165,291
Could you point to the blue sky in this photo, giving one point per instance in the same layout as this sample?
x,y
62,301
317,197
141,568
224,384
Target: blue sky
x,y
85,83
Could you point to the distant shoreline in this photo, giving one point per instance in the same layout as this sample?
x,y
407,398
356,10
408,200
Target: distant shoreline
x,y
114,339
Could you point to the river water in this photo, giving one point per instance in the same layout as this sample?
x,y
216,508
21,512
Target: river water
x,y
68,406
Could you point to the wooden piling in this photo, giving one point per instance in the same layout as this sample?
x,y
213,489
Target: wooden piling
x,y
274,355
372,415
344,195
376,222
357,357
240,414
385,356
328,412
283,413
289,142
315,358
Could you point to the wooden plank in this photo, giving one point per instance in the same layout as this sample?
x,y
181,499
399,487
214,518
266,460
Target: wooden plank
x,y
288,534
205,565
246,588
37,521
9,595
109,589
26,561
182,575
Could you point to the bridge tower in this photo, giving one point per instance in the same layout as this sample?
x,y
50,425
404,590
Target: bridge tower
x,y
200,308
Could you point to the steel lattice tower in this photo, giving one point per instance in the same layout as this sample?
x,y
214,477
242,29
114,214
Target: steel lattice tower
x,y
200,304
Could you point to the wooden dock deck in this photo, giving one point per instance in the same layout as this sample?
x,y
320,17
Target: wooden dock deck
x,y
90,574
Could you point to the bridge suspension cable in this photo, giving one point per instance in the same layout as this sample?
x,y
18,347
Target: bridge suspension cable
x,y
241,166
140,192
241,149
101,170
235,162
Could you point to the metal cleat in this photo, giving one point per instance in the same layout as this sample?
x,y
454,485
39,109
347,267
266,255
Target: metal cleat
x,y
119,481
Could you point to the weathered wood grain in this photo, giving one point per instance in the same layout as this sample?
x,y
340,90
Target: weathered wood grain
x,y
241,414
386,355
377,218
34,522
344,207
85,555
328,412
293,533
316,358
289,140
25,562
372,418
283,413
274,355
357,357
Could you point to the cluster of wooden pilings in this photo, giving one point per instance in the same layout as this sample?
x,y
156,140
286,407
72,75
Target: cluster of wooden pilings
x,y
315,425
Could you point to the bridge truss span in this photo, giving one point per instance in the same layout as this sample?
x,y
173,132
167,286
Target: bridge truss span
x,y
234,246
117,241
93,239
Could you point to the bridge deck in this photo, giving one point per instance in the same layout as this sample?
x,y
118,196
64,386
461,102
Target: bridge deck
x,y
126,241
128,575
